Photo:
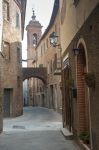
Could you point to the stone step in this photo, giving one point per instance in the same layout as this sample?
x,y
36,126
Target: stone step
x,y
68,135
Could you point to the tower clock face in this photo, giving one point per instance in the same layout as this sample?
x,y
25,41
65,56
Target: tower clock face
x,y
63,11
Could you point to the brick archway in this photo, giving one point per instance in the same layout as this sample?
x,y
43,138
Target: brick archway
x,y
40,73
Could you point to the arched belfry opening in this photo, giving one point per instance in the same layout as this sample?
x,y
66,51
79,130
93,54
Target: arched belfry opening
x,y
34,40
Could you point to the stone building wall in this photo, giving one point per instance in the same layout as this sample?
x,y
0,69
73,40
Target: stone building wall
x,y
45,58
12,61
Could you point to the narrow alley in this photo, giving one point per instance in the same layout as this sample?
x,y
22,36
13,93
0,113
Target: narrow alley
x,y
38,129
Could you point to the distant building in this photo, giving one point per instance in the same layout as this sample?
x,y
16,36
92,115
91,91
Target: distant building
x,y
33,36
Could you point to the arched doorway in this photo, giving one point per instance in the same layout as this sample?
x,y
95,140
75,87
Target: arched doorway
x,y
82,91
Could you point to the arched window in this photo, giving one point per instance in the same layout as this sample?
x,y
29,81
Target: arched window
x,y
34,39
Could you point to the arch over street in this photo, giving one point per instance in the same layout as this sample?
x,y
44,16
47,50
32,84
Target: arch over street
x,y
40,73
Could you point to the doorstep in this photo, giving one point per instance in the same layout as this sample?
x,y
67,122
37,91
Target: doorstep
x,y
68,135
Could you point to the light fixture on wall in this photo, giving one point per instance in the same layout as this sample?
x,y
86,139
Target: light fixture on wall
x,y
54,39
76,51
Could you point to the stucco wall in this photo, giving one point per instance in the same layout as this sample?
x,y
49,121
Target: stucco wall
x,y
74,18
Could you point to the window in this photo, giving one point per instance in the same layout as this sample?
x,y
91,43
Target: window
x,y
6,10
6,47
76,2
18,54
34,40
17,20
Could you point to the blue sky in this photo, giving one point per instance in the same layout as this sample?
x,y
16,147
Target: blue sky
x,y
43,11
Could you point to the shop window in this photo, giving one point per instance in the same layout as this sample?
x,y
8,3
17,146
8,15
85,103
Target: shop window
x,y
6,10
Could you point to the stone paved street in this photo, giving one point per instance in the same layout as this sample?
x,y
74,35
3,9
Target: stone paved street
x,y
37,129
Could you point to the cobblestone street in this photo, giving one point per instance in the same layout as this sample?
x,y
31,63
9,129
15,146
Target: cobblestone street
x,y
38,129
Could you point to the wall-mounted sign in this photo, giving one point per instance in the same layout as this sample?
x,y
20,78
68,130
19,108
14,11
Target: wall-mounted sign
x,y
1,22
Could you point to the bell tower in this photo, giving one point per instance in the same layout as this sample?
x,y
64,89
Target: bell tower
x,y
33,36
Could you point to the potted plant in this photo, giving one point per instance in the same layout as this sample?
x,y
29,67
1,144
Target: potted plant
x,y
85,137
90,79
